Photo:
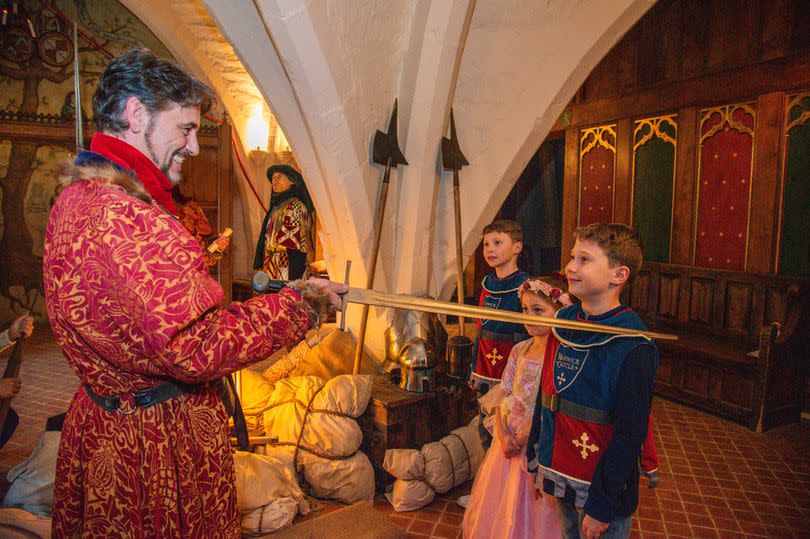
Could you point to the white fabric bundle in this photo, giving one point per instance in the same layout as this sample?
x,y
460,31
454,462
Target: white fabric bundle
x,y
437,468
32,479
317,417
267,494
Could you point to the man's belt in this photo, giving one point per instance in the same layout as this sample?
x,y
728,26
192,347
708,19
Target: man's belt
x,y
555,403
503,337
129,402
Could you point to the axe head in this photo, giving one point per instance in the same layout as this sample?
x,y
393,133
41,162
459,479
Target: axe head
x,y
452,158
385,149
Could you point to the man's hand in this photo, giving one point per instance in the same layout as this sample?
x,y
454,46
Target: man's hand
x,y
332,290
592,528
22,326
10,388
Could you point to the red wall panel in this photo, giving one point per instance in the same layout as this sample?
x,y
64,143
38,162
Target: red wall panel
x,y
597,172
724,186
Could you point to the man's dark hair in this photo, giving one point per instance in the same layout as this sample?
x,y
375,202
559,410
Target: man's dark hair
x,y
157,83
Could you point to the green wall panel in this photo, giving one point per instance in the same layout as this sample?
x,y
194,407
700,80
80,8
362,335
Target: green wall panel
x,y
794,248
653,176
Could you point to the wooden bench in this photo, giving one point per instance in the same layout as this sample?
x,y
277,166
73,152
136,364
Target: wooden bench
x,y
742,351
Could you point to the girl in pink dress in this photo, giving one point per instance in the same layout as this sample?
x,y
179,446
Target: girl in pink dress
x,y
503,502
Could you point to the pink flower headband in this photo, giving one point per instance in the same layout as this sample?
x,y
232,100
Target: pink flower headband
x,y
552,292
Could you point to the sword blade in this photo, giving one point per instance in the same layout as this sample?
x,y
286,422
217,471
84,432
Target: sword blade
x,y
412,303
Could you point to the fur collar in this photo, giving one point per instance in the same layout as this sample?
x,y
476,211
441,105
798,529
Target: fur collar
x,y
71,173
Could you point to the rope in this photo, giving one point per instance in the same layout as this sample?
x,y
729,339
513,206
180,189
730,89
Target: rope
x,y
312,410
303,426
308,409
452,465
466,452
312,451
245,174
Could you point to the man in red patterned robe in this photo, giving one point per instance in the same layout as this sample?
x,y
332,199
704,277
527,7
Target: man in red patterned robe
x,y
144,449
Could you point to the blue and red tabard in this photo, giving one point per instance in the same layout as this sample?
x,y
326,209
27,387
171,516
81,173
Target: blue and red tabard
x,y
578,396
496,339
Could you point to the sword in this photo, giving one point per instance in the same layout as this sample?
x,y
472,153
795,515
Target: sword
x,y
363,296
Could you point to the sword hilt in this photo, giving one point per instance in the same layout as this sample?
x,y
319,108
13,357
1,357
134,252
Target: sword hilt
x,y
262,283
342,324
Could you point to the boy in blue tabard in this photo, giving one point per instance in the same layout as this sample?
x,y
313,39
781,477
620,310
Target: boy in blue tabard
x,y
593,412
502,243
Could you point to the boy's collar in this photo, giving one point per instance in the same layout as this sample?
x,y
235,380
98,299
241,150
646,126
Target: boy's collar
x,y
505,277
583,316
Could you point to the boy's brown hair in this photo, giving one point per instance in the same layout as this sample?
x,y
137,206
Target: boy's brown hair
x,y
512,228
621,244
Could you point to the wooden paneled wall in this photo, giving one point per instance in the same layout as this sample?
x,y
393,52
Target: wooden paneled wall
x,y
682,57
207,177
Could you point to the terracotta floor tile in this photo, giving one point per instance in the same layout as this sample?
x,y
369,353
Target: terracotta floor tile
x,y
445,531
679,530
704,533
700,520
451,518
754,528
714,503
401,521
651,525
726,524
715,475
676,517
421,526
695,508
454,508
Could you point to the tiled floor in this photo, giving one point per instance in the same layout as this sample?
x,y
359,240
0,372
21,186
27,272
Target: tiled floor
x,y
718,479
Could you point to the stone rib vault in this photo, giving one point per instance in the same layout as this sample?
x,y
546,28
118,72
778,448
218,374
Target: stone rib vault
x,y
330,69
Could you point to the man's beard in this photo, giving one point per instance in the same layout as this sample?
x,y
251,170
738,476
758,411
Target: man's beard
x,y
164,168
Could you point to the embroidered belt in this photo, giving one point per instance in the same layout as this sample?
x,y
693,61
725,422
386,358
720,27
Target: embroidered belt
x,y
129,402
555,403
503,337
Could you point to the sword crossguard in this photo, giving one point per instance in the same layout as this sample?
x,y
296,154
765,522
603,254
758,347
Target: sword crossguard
x,y
342,324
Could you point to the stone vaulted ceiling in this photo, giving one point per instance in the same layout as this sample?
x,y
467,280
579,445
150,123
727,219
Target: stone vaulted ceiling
x,y
330,70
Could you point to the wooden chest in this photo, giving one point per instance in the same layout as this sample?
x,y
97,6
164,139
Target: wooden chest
x,y
399,419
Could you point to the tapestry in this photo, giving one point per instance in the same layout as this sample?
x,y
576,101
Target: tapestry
x,y
654,143
794,234
597,168
37,86
724,186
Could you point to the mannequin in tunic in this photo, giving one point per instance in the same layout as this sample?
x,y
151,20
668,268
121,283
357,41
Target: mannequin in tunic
x,y
286,236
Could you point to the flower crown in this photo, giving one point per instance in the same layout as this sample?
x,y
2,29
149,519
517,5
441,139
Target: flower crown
x,y
551,292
